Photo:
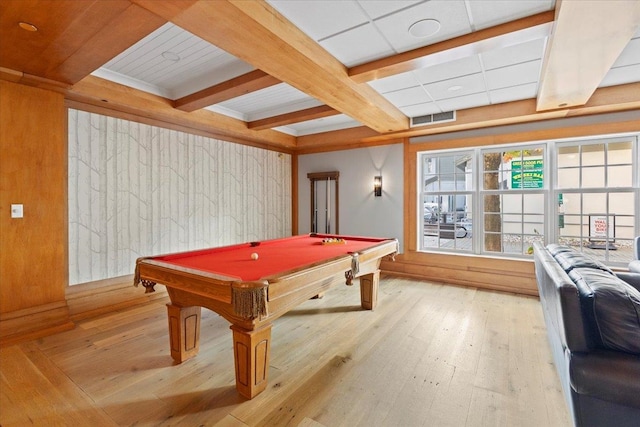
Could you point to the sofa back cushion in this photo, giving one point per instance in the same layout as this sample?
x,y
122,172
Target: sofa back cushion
x,y
569,260
556,248
611,308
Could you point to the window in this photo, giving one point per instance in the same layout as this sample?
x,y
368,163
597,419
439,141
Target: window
x,y
499,200
513,195
447,201
596,198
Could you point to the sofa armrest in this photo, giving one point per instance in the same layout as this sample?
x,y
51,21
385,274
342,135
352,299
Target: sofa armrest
x,y
631,278
607,375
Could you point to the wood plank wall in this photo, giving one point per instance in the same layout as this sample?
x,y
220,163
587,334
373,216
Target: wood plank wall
x,y
33,258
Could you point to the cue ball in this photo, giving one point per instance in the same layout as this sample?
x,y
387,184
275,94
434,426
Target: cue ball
x,y
254,256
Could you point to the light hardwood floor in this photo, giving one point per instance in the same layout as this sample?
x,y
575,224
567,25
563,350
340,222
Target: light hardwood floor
x,y
429,355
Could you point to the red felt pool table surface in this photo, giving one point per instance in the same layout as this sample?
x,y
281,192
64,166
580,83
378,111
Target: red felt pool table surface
x,y
274,256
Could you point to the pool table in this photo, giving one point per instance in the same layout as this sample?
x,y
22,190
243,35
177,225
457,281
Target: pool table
x,y
252,284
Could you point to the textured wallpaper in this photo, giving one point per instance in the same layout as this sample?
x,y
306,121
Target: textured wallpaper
x,y
138,190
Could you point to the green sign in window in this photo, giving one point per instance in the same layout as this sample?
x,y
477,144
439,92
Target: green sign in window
x,y
527,173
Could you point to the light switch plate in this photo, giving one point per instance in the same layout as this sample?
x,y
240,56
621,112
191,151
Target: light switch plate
x,y
17,211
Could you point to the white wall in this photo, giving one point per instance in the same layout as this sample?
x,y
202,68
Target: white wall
x,y
360,213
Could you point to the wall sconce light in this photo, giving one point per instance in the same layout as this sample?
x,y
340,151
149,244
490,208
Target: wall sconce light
x,y
377,186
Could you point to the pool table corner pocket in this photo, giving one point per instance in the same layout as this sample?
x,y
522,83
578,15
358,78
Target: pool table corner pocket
x,y
249,299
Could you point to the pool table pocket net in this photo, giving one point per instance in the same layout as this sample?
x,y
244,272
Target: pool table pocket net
x,y
249,300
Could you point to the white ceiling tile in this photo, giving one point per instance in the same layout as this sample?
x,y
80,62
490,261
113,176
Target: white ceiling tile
x,y
468,85
460,103
622,75
514,93
514,75
377,8
408,96
421,109
320,19
391,83
489,13
357,46
449,70
451,14
515,54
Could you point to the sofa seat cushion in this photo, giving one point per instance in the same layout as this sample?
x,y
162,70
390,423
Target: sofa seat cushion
x,y
607,375
611,308
634,266
570,260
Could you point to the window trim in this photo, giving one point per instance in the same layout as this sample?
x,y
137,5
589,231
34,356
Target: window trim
x,y
550,188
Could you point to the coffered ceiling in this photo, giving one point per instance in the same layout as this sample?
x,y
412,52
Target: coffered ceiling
x,y
296,73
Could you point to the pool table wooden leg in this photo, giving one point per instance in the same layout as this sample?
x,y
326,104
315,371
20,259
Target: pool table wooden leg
x,y
251,352
184,331
369,290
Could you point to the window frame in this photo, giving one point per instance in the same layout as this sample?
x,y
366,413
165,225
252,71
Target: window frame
x,y
443,193
605,190
550,190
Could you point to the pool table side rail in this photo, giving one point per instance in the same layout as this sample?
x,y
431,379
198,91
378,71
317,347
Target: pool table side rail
x,y
287,282
293,281
288,290
194,280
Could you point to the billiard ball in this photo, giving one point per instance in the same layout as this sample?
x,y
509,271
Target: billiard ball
x,y
254,256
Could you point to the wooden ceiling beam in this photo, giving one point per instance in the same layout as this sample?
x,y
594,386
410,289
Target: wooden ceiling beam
x,y
238,86
503,35
293,117
249,29
587,39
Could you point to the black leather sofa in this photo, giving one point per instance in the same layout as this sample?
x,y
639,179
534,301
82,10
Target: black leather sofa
x,y
593,324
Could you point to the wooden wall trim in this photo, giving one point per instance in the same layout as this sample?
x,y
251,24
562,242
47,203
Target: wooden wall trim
x,y
102,296
506,275
572,127
152,121
295,220
34,322
103,93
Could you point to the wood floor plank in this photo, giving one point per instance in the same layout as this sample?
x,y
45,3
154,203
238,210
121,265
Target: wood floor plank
x,y
362,369
38,393
429,354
